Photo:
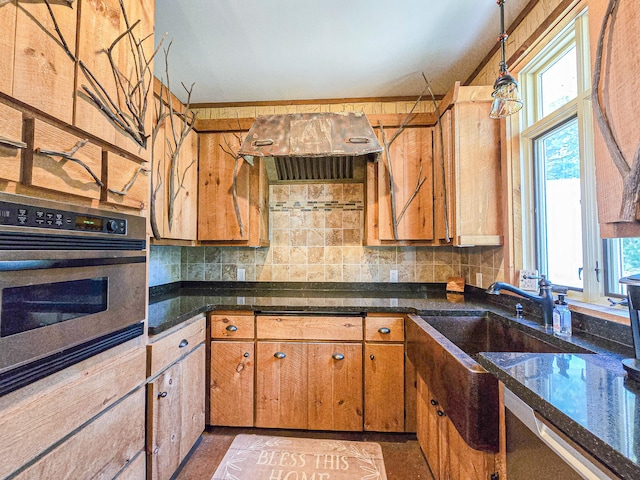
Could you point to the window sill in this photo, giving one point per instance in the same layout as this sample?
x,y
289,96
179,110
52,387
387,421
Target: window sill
x,y
613,314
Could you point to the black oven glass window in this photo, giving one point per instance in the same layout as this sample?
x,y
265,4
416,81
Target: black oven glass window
x,y
34,306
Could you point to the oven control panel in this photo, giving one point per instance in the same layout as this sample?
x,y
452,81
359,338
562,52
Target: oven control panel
x,y
19,215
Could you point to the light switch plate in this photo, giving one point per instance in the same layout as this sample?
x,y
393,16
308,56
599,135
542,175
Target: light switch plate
x,y
393,275
241,274
529,284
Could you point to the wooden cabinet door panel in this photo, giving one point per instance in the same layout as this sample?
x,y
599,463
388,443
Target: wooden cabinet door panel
x,y
7,45
312,327
428,430
193,399
164,396
412,172
231,389
10,131
43,73
281,385
127,182
384,329
170,347
67,176
335,386
384,387
232,326
217,219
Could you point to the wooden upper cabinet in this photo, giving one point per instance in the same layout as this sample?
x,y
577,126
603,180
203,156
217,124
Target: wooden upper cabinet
x,y
53,172
468,187
618,73
409,172
239,218
7,45
43,73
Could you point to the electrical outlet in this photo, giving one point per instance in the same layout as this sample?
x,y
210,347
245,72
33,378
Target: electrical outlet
x,y
479,280
393,275
527,283
241,274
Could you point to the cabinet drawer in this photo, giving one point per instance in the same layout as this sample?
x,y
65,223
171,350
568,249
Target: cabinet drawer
x,y
63,175
10,142
167,349
384,329
309,327
231,326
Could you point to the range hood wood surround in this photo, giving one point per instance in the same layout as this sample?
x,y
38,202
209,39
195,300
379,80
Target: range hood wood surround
x,y
313,147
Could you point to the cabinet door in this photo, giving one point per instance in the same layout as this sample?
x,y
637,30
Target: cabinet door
x,y
220,217
411,175
164,423
231,388
7,44
384,387
281,385
428,429
43,74
335,386
193,399
463,461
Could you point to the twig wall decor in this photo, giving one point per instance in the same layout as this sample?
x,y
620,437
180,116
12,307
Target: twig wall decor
x,y
229,150
128,109
630,172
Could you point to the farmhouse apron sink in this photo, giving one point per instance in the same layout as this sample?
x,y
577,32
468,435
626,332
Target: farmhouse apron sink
x,y
442,349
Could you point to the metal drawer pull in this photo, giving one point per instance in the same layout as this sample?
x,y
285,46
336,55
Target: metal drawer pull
x,y
183,343
162,394
384,330
338,356
280,355
231,328
246,355
12,143
372,357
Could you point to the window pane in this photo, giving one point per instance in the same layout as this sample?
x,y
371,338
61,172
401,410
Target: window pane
x,y
559,82
623,259
559,209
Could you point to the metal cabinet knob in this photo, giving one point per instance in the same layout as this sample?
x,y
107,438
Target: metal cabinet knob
x,y
231,328
162,394
183,343
384,330
280,355
434,402
372,357
338,356
246,355
440,413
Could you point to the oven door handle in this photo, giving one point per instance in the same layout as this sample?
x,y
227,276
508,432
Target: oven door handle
x,y
20,265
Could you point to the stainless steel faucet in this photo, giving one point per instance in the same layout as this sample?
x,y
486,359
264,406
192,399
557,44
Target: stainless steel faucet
x,y
544,297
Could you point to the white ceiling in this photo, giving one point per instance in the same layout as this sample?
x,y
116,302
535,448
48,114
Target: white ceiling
x,y
269,50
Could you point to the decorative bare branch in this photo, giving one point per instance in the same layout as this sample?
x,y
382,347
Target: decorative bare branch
x,y
7,142
131,89
158,122
130,183
69,155
237,158
630,173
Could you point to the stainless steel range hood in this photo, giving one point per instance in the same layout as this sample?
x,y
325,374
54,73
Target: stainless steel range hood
x,y
312,147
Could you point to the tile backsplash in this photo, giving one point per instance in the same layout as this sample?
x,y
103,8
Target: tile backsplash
x,y
316,236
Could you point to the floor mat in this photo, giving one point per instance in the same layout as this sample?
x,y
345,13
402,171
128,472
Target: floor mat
x,y
261,457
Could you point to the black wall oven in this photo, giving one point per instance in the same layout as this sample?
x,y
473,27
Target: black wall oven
x,y
72,284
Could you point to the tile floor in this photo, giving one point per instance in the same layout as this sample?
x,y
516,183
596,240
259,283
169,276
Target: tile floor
x,y
402,455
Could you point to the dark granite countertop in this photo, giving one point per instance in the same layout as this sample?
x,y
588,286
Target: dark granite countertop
x,y
586,396
173,306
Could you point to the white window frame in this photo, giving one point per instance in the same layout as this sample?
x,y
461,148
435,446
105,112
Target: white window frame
x,y
532,126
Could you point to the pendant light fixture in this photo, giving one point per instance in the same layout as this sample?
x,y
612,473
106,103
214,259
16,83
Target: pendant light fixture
x,y
506,97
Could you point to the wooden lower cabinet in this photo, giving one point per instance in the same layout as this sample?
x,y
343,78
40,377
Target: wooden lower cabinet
x,y
231,393
315,386
384,387
175,400
449,457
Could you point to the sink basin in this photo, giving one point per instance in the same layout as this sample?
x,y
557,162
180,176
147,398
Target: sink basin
x,y
490,333
442,350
